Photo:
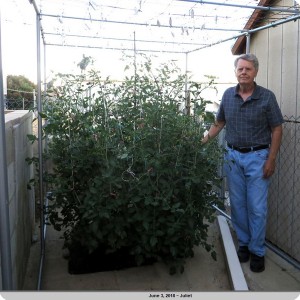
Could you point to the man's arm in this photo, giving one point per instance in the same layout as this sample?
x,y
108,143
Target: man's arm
x,y
214,130
269,166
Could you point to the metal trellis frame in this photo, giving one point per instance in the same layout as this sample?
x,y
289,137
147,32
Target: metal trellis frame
x,y
41,33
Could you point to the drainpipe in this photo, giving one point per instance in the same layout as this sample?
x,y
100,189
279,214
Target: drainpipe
x,y
247,43
5,246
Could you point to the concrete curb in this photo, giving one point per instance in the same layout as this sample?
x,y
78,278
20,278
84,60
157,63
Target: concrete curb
x,y
235,271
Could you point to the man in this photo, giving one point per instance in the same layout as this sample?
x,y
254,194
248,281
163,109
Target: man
x,y
253,133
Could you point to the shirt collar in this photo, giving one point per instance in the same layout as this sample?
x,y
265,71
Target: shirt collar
x,y
255,94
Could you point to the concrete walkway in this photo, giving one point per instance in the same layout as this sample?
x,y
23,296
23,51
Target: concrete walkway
x,y
202,273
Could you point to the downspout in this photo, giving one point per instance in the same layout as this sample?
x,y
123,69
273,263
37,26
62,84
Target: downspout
x,y
5,245
248,43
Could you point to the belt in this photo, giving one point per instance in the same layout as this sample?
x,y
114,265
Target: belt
x,y
248,149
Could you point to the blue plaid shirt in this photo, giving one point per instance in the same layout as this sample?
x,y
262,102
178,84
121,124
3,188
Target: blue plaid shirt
x,y
249,123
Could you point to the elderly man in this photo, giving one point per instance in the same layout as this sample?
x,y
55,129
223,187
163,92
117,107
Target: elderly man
x,y
253,133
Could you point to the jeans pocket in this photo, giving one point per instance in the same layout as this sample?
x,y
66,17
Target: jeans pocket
x,y
262,154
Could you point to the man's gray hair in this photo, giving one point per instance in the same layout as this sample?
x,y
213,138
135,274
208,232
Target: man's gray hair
x,y
248,57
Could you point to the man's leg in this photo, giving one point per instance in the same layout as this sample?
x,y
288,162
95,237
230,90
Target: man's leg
x,y
238,196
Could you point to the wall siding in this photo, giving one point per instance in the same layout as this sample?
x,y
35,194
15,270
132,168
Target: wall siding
x,y
278,52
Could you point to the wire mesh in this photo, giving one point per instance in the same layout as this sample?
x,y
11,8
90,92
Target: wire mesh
x,y
283,223
19,104
284,205
156,26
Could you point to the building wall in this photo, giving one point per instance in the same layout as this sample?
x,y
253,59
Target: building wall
x,y
278,51
21,200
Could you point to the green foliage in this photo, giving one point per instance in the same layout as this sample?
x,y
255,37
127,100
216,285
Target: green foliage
x,y
19,86
129,169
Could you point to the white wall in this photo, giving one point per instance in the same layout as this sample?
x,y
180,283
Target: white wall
x,y
21,200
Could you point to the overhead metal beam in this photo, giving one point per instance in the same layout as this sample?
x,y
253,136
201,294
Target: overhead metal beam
x,y
34,5
136,23
247,32
116,48
121,39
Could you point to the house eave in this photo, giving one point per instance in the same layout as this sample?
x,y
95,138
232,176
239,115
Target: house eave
x,y
239,46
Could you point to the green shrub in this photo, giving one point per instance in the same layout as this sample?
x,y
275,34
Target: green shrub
x,y
129,169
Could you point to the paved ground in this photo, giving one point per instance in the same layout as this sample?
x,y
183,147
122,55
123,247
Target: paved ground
x,y
202,273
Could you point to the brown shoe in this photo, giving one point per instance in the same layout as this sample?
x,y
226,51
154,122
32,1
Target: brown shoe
x,y
257,263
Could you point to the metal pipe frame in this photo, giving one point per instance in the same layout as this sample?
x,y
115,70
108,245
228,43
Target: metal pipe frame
x,y
265,8
116,49
247,32
40,33
133,23
121,39
40,147
243,32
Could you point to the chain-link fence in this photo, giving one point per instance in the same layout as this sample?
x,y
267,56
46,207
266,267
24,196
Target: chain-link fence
x,y
284,197
20,100
283,225
19,104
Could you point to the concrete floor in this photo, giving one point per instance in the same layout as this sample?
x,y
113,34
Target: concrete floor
x,y
202,273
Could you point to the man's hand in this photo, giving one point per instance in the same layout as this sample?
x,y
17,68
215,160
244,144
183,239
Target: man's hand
x,y
205,139
213,131
269,168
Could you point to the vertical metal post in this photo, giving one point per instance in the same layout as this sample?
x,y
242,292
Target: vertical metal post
x,y
187,103
135,68
186,70
34,98
5,246
248,43
40,143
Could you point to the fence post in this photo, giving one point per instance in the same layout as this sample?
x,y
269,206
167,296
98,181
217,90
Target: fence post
x,y
34,98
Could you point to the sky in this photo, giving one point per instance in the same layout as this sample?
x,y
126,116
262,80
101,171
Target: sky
x,y
18,42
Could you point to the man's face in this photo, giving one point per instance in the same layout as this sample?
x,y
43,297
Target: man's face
x,y
245,72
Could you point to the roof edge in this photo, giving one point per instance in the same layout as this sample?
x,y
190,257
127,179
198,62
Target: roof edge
x,y
239,46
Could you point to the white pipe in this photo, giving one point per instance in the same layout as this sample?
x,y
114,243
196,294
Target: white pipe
x,y
246,32
40,144
265,8
248,36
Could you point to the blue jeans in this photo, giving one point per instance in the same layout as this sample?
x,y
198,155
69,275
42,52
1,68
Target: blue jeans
x,y
248,193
